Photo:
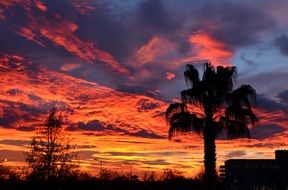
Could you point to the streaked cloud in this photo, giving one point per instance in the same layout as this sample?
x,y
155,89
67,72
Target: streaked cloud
x,y
70,67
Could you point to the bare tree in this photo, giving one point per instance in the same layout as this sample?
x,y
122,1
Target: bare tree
x,y
51,156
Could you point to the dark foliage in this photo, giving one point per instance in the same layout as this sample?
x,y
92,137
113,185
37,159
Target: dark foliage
x,y
168,181
50,155
107,185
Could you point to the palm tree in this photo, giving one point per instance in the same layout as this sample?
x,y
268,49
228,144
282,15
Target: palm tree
x,y
210,105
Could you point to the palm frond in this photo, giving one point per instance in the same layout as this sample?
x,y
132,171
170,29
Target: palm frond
x,y
209,74
241,114
191,95
244,95
175,108
191,76
237,129
224,80
185,122
237,119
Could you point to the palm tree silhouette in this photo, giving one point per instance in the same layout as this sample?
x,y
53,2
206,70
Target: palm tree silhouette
x,y
210,105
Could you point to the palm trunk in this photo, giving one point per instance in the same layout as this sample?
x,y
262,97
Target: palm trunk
x,y
210,158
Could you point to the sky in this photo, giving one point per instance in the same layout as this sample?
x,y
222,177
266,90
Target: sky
x,y
112,67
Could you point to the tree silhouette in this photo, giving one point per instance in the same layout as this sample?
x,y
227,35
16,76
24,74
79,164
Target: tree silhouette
x,y
50,155
210,105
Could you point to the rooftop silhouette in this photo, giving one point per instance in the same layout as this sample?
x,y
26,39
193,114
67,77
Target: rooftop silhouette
x,y
256,173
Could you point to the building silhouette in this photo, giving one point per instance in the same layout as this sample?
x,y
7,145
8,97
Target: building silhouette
x,y
256,174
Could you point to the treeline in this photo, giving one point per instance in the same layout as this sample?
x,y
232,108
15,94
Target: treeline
x,y
106,180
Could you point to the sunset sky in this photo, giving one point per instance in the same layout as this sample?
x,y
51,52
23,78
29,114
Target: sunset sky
x,y
112,67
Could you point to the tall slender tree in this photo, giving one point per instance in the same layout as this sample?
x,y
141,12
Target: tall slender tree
x,y
209,105
51,155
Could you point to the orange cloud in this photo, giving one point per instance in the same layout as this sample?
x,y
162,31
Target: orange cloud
x,y
29,34
170,75
89,101
83,7
205,47
6,5
154,48
2,16
70,67
61,32
11,61
148,51
40,5
62,35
